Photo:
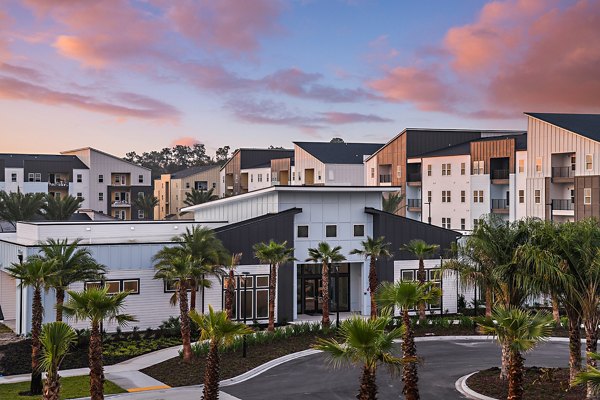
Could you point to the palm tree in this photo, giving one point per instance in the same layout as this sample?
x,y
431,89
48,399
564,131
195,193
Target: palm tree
x,y
96,305
373,249
326,255
421,250
591,377
60,208
367,343
219,330
273,254
522,331
35,272
199,196
230,284
173,266
17,206
406,296
391,204
71,264
146,203
56,339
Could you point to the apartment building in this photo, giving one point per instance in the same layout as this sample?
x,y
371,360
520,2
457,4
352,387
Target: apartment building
x,y
326,163
253,169
113,182
563,166
171,189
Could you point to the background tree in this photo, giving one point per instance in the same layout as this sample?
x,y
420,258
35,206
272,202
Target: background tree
x,y
234,261
16,206
222,155
373,249
392,202
337,140
34,273
60,208
421,250
96,305
147,203
219,330
56,339
367,343
326,255
274,254
170,159
196,196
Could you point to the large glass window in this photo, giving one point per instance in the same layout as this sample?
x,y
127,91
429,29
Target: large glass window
x,y
257,300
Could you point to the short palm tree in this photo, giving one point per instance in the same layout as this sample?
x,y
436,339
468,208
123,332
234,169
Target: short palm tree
x,y
406,296
391,204
274,254
60,208
96,305
196,196
35,273
367,343
421,250
71,264
219,330
373,249
147,203
326,255
591,377
230,284
56,339
16,206
521,331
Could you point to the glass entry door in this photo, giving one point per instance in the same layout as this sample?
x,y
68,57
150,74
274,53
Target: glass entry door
x,y
310,290
313,302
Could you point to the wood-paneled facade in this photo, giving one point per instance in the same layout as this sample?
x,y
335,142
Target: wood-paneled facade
x,y
486,150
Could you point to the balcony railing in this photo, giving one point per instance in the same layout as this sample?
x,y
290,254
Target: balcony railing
x,y
500,174
121,203
563,172
499,204
562,204
385,178
414,203
58,184
414,177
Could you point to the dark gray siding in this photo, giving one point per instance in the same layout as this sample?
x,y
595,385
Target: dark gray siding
x,y
241,237
400,230
425,141
2,177
251,158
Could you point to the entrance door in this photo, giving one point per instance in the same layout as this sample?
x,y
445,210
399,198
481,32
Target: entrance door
x,y
312,296
309,176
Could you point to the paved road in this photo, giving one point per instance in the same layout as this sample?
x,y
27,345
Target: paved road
x,y
444,362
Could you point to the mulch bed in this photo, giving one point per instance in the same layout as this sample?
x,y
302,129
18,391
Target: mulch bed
x,y
175,372
540,384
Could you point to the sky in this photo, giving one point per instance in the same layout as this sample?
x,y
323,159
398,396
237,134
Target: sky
x,y
138,75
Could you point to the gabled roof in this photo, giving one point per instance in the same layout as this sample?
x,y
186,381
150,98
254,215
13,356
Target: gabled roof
x,y
18,160
256,158
465,148
193,171
90,149
587,125
339,153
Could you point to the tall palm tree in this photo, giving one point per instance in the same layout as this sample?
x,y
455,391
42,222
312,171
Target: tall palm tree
x,y
522,331
196,196
406,296
173,266
274,254
326,255
71,264
60,208
16,206
147,203
391,203
96,305
219,330
230,284
56,339
367,343
373,249
34,273
421,250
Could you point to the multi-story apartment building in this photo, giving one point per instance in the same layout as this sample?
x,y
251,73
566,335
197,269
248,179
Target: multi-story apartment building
x,y
563,166
252,169
171,189
58,175
327,164
113,182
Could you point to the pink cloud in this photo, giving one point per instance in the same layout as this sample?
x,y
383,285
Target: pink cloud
x,y
184,141
5,21
21,72
339,118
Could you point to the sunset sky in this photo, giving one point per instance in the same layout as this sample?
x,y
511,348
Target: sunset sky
x,y
123,75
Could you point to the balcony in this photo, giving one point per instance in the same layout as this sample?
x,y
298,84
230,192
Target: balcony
x,y
413,179
499,176
563,175
562,204
414,205
500,206
57,184
121,204
385,180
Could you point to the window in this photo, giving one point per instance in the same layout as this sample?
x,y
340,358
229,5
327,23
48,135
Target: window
x,y
521,196
331,230
573,162
131,285
521,165
251,177
141,178
572,196
463,195
214,185
537,196
372,173
299,176
478,196
113,286
38,177
171,285
257,300
407,275
446,223
100,196
259,178
359,230
399,171
428,169
446,169
429,196
587,196
318,175
302,231
589,162
141,194
187,185
293,175
463,168
13,177
118,179
267,175
80,196
478,167
446,196
87,285
79,178
538,165
463,224
100,178
476,222
140,214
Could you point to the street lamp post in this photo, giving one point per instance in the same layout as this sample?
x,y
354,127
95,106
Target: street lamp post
x,y
337,296
20,257
244,345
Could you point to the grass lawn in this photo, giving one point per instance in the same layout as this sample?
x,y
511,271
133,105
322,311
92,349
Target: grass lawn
x,y
5,329
71,388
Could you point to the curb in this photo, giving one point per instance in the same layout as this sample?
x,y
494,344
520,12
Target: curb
x,y
462,388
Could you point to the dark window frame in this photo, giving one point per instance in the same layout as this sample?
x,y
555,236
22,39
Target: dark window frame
x,y
298,231
360,226
327,227
120,281
238,299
